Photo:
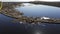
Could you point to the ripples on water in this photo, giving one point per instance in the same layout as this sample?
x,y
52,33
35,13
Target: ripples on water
x,y
6,25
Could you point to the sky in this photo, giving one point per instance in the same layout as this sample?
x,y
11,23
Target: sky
x,y
25,0
50,0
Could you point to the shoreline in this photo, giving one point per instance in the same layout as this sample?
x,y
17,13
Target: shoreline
x,y
37,20
9,11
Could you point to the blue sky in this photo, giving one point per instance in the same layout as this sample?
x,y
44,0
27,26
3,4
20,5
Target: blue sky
x,y
26,0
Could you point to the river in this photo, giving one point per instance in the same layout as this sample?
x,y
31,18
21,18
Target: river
x,y
40,10
6,24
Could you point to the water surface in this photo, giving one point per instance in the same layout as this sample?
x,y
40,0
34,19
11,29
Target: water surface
x,y
39,10
6,24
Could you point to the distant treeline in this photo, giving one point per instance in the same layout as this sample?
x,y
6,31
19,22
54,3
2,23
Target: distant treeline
x,y
57,4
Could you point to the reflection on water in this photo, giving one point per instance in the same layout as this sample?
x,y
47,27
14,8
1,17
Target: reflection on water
x,y
39,10
27,4
6,24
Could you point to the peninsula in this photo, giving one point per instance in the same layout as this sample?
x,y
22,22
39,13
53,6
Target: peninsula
x,y
9,10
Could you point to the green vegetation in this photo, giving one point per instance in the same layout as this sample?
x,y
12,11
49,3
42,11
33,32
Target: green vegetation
x,y
0,5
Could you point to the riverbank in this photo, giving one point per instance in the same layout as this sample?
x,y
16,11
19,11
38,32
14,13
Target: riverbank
x,y
9,10
56,4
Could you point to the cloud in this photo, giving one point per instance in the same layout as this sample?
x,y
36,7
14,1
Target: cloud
x,y
49,0
25,0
